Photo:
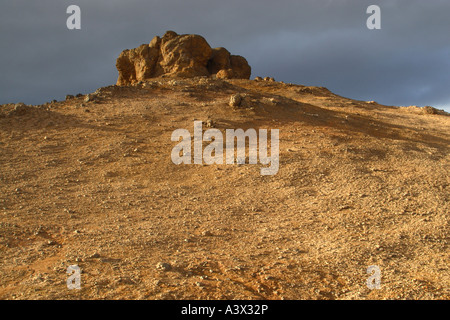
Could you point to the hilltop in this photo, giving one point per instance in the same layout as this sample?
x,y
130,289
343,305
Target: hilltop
x,y
89,181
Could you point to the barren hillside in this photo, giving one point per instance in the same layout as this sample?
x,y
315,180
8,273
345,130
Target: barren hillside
x,y
92,184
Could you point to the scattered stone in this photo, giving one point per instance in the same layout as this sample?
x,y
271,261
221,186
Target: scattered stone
x,y
125,280
89,98
269,101
19,105
163,266
174,83
225,74
39,231
95,255
430,110
258,79
20,108
79,95
209,123
235,100
69,97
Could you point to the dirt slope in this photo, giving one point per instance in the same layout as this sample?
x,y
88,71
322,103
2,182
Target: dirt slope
x,y
92,184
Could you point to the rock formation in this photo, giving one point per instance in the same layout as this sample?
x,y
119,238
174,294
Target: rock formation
x,y
176,55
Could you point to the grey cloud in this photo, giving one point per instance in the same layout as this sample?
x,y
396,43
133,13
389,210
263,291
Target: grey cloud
x,y
321,42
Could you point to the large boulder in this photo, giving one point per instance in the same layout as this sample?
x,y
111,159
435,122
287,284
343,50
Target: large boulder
x,y
240,67
219,60
185,56
176,55
136,64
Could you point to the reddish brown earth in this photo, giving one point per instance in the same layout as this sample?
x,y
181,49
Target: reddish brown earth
x,y
92,184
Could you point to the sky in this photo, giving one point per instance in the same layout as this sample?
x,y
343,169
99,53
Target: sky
x,y
309,42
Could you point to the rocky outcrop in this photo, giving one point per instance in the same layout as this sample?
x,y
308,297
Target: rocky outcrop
x,y
176,55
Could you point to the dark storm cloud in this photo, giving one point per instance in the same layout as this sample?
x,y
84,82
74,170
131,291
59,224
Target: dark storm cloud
x,y
321,42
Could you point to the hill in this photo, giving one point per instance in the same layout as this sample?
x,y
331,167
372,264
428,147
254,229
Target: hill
x,y
89,181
